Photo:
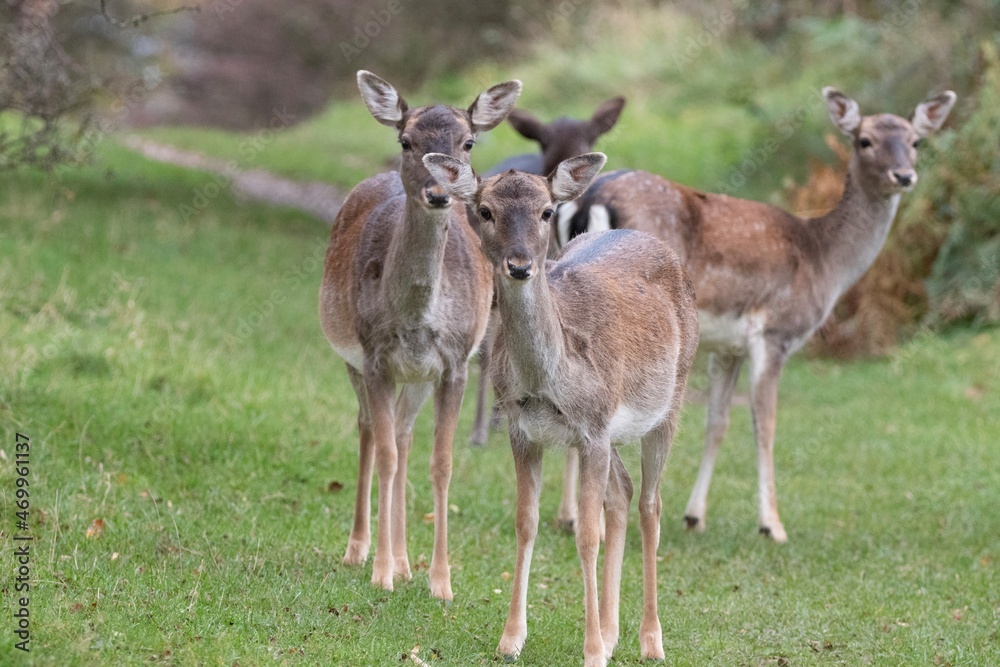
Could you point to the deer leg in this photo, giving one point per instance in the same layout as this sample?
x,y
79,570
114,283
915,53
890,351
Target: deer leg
x,y
381,395
655,448
723,371
528,469
567,514
480,427
616,504
360,540
447,403
411,399
765,371
595,462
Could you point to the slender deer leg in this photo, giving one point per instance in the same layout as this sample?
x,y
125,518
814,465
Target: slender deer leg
x,y
480,428
595,461
381,393
360,540
411,399
528,469
616,504
567,515
765,371
447,403
655,448
723,371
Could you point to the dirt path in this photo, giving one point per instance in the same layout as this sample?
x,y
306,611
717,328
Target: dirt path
x,y
318,199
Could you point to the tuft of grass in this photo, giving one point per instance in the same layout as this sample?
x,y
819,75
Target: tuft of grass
x,y
194,454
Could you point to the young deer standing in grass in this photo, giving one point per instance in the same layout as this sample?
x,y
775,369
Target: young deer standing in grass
x,y
405,300
767,279
559,140
591,351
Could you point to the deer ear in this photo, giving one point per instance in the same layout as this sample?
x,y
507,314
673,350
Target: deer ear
x,y
605,117
573,176
930,115
843,110
455,176
528,126
382,100
493,105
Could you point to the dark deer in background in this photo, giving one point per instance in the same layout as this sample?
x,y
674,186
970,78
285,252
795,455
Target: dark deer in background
x,y
405,300
766,279
559,140
591,351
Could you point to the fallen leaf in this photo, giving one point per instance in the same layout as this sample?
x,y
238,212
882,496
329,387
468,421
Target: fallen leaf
x,y
95,529
75,608
335,487
429,517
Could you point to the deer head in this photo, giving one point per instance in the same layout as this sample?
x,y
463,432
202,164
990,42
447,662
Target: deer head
x,y
435,129
565,138
515,209
885,145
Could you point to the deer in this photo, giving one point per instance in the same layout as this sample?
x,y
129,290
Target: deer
x,y
561,139
766,279
404,300
591,351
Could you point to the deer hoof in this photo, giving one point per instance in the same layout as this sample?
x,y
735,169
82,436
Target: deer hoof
x,y
775,533
357,553
694,524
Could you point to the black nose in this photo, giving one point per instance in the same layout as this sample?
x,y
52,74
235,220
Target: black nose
x,y
904,178
518,270
437,200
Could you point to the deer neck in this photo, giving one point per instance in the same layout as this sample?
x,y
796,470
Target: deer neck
x,y
415,261
532,331
853,233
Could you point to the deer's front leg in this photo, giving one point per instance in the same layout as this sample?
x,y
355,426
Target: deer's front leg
x,y
360,540
408,405
528,469
723,371
447,403
765,371
380,390
595,461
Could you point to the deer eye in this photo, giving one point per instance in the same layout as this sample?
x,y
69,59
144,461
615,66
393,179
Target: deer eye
x,y
485,214
469,144
405,143
865,142
917,143
547,214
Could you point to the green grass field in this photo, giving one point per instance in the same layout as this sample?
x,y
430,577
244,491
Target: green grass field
x,y
193,460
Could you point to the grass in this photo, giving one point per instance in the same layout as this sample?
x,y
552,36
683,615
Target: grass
x,y
184,408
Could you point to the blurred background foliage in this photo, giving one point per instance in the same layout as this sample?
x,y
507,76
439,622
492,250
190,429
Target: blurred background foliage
x,y
723,96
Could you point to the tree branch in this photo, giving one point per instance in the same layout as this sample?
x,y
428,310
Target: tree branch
x,y
140,18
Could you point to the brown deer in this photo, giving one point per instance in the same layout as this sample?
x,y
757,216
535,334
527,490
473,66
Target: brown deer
x,y
405,300
559,140
765,279
591,351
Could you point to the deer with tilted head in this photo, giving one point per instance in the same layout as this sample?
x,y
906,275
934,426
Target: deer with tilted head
x,y
591,351
405,300
559,140
767,279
